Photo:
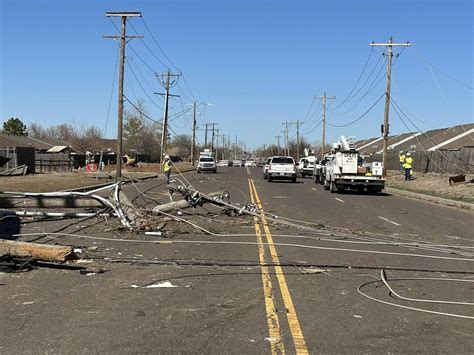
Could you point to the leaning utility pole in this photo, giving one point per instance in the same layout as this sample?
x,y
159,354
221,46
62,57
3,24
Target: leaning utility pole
x,y
123,40
167,81
385,127
324,98
193,146
298,139
278,145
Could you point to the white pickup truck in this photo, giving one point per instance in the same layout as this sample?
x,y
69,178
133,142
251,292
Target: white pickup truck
x,y
282,168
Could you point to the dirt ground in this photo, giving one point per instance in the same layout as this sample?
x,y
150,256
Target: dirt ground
x,y
77,179
434,185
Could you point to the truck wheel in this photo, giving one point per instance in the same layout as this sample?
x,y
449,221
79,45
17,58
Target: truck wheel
x,y
265,177
214,171
199,171
293,180
269,178
325,185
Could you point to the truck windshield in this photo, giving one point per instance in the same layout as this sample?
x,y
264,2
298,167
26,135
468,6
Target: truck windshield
x,y
206,159
282,160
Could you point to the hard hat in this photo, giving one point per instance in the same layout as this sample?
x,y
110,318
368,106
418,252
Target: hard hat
x,y
167,156
408,153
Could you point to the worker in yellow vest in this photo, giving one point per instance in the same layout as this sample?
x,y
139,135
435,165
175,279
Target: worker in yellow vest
x,y
401,159
407,165
167,165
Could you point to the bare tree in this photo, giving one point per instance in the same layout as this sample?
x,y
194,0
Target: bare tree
x,y
35,130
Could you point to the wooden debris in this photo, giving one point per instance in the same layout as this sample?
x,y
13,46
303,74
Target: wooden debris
x,y
42,252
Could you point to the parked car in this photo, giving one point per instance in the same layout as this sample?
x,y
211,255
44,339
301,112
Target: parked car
x,y
282,168
206,163
237,163
265,167
223,163
250,163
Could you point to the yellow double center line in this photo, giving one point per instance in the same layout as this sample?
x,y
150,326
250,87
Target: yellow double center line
x,y
272,317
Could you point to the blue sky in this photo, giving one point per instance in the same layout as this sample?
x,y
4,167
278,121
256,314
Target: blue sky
x,y
258,62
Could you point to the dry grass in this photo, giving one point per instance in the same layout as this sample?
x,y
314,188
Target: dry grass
x,y
67,181
434,185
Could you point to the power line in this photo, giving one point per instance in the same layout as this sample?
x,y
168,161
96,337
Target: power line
x,y
361,116
151,52
141,112
358,79
141,86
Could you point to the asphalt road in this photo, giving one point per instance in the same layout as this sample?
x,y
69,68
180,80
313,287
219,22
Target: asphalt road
x,y
307,281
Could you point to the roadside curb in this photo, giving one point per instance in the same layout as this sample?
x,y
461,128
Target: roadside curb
x,y
433,199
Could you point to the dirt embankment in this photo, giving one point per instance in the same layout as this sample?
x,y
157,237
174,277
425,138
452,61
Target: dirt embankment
x,y
434,185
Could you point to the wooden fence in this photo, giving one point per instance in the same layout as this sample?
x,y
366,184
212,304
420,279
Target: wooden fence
x,y
443,161
56,162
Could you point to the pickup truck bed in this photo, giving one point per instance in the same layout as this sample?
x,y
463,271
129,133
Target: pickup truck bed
x,y
282,168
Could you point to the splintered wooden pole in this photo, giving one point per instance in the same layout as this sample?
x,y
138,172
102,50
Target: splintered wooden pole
x,y
42,252
171,206
176,205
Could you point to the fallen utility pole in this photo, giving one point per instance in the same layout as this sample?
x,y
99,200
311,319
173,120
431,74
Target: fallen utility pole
x,y
385,126
192,200
56,253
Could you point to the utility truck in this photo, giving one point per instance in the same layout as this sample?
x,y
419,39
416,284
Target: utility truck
x,y
206,162
346,169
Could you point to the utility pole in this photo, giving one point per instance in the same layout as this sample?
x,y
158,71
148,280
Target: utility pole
x,y
385,127
123,41
278,145
205,137
223,147
235,152
324,98
298,139
217,141
213,130
167,81
287,140
193,146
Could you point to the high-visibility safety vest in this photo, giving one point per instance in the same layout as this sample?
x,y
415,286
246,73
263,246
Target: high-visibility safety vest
x,y
408,162
167,165
402,158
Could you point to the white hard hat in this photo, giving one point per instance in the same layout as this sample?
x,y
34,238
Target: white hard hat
x,y
167,156
408,153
